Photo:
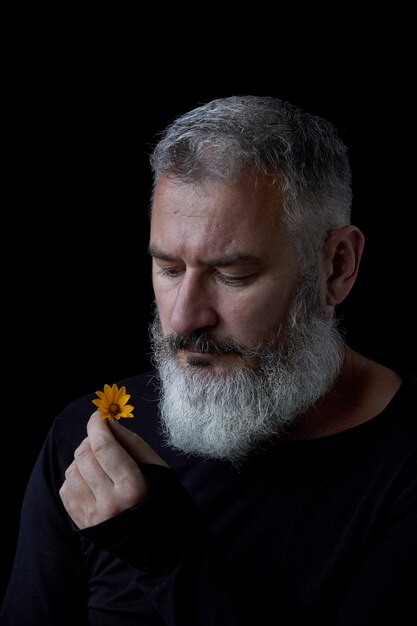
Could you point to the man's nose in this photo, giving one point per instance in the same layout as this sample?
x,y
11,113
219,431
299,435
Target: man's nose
x,y
194,306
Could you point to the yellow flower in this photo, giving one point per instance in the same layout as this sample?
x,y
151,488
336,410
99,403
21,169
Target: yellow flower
x,y
112,404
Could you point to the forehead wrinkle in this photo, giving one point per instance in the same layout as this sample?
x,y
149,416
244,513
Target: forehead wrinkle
x,y
180,213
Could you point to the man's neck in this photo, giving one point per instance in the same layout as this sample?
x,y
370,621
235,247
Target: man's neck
x,y
362,390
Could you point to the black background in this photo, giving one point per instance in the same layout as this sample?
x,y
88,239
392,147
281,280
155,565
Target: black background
x,y
84,110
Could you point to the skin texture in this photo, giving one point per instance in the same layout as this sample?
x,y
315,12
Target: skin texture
x,y
218,267
223,262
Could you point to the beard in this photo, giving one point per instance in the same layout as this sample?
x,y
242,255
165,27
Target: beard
x,y
231,414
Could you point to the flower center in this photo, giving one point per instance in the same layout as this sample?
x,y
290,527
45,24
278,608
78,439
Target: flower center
x,y
114,409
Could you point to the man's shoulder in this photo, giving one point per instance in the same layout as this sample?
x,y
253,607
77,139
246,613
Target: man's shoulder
x,y
407,391
405,400
395,428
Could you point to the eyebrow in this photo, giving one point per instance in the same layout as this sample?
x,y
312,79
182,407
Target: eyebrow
x,y
222,261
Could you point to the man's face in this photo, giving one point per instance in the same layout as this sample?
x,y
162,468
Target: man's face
x,y
223,264
242,343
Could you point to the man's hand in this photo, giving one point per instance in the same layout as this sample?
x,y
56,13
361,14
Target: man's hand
x,y
104,478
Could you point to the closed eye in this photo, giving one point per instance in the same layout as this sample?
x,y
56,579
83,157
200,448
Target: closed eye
x,y
169,272
236,281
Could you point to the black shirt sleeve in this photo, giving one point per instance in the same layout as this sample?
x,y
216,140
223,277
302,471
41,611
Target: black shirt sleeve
x,y
177,561
165,540
47,582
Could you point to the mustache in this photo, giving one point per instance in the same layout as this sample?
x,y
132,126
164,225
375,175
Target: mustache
x,y
203,342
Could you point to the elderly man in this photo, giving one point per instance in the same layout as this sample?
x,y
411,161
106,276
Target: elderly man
x,y
270,475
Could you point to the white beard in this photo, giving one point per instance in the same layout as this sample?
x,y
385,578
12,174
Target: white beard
x,y
228,415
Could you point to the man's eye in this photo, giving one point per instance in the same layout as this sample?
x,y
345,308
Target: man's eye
x,y
233,280
169,272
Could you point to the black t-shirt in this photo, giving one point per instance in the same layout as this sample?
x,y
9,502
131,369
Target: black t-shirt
x,y
317,530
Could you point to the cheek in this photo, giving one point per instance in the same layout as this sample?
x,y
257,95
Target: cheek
x,y
163,299
254,316
163,306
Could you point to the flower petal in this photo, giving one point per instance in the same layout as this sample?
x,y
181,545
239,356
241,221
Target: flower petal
x,y
115,393
99,403
108,393
124,399
120,393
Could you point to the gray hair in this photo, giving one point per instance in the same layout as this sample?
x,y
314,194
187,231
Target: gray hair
x,y
301,153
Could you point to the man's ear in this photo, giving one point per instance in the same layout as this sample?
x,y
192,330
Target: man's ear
x,y
342,255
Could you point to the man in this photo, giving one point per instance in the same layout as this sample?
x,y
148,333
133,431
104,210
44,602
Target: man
x,y
270,476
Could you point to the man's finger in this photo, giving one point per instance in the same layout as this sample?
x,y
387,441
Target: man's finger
x,y
116,462
76,495
91,470
136,447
